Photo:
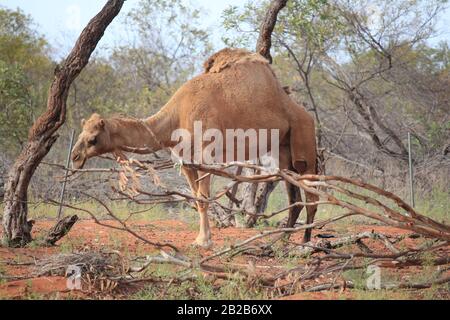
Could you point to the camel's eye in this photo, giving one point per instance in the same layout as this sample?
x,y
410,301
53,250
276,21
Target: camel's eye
x,y
92,142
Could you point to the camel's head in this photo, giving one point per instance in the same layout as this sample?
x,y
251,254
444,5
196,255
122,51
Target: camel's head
x,y
93,141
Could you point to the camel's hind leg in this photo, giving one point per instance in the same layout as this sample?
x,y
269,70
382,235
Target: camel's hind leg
x,y
294,196
293,191
311,213
302,168
304,158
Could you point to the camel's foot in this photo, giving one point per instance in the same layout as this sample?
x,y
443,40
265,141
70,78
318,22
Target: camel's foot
x,y
306,239
203,242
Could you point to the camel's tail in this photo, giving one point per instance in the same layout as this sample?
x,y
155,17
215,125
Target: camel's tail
x,y
303,148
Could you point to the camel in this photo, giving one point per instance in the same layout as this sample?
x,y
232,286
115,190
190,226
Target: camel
x,y
238,89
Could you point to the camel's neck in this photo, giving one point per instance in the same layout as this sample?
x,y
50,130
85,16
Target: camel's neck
x,y
162,124
153,133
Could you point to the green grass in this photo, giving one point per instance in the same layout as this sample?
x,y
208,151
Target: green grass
x,y
121,209
36,242
201,289
428,273
435,205
382,295
438,292
2,273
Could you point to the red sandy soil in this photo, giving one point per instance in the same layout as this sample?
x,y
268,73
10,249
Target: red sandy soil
x,y
42,285
87,235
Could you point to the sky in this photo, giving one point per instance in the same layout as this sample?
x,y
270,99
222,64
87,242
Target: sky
x,y
62,20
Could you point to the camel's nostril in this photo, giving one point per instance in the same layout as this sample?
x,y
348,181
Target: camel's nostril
x,y
76,158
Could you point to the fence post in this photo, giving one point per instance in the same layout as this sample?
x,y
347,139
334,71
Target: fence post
x,y
63,190
411,177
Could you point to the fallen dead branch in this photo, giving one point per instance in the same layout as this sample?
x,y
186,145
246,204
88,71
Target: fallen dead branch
x,y
60,229
324,244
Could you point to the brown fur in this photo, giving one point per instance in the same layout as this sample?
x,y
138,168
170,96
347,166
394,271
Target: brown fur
x,y
227,57
238,90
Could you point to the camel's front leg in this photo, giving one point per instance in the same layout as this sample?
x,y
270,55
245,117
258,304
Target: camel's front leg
x,y
191,177
204,236
200,189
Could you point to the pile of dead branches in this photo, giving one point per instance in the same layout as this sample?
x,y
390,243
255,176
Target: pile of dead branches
x,y
98,271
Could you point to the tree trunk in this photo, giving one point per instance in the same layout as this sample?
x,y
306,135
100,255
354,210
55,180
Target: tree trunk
x,y
264,43
60,229
2,183
255,197
249,199
42,135
222,218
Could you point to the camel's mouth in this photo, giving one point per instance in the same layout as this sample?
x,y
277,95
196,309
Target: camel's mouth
x,y
78,162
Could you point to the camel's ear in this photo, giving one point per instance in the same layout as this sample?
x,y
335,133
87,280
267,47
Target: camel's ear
x,y
83,122
101,123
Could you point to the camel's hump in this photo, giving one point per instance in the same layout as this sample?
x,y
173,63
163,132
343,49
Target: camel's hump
x,y
227,57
